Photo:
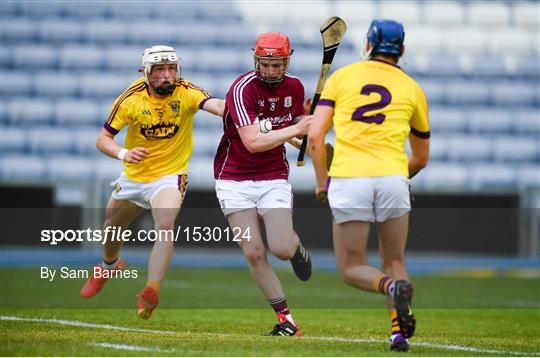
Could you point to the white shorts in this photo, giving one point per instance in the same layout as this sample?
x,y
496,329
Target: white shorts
x,y
373,199
264,195
142,194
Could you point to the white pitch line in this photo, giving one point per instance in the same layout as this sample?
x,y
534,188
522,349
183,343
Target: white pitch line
x,y
127,347
451,347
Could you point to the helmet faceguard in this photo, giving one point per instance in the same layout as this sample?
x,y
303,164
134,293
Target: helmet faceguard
x,y
385,37
160,55
272,46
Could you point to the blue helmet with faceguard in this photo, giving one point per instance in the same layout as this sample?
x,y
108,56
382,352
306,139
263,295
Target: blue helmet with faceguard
x,y
386,36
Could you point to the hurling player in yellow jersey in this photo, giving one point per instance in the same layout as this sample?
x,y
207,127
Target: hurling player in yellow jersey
x,y
374,107
158,111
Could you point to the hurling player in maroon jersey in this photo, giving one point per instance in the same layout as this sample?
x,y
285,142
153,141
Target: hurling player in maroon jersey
x,y
251,168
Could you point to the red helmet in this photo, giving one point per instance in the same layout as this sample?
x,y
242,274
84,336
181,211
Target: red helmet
x,y
272,45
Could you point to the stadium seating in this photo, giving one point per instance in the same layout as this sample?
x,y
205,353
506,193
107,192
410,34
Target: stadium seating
x,y
64,62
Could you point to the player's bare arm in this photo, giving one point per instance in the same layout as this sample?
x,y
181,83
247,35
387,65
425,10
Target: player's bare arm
x,y
255,141
215,106
322,121
106,143
419,156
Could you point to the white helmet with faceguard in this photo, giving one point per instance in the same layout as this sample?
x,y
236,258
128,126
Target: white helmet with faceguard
x,y
160,55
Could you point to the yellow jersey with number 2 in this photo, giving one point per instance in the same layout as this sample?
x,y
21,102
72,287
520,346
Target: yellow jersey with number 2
x,y
376,106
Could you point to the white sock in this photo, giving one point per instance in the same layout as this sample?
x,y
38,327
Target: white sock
x,y
109,266
391,289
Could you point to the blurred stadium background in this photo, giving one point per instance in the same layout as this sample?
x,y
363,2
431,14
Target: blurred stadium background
x,y
64,62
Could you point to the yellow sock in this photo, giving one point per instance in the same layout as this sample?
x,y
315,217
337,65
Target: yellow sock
x,y
156,285
395,324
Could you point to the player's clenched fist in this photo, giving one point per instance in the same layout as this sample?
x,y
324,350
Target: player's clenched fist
x,y
136,155
303,124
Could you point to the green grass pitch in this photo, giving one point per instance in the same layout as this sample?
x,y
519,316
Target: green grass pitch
x,y
220,312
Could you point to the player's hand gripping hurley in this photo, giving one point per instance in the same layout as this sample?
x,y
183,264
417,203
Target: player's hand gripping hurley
x,y
332,31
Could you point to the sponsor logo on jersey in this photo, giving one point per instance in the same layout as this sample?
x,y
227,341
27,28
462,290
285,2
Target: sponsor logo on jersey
x,y
160,130
278,120
274,99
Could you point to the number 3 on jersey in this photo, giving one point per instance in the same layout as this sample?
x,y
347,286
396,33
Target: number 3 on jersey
x,y
386,97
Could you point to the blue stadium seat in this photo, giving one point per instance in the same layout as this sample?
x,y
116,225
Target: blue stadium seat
x,y
469,148
10,9
126,58
20,168
106,168
6,56
488,14
525,14
204,80
488,120
50,140
105,84
30,110
344,58
81,57
464,40
40,10
492,176
222,11
57,84
66,167
13,140
527,121
223,84
306,62
444,65
438,150
35,56
16,30
15,84
74,112
88,9
147,33
85,141
516,149
489,67
178,11
515,94
106,32
467,92
141,10
195,35
528,175
201,173
444,13
528,67
205,143
435,90
60,31
408,12
240,35
219,60
439,176
447,119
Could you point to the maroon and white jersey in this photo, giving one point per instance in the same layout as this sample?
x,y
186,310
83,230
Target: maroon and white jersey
x,y
247,101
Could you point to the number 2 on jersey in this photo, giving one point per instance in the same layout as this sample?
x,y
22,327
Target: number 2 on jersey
x,y
386,97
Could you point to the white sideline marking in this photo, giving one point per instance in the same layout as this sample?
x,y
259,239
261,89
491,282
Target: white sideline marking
x,y
452,347
131,348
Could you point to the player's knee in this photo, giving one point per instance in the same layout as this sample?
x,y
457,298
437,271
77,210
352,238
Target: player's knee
x,y
347,274
255,256
391,264
164,224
